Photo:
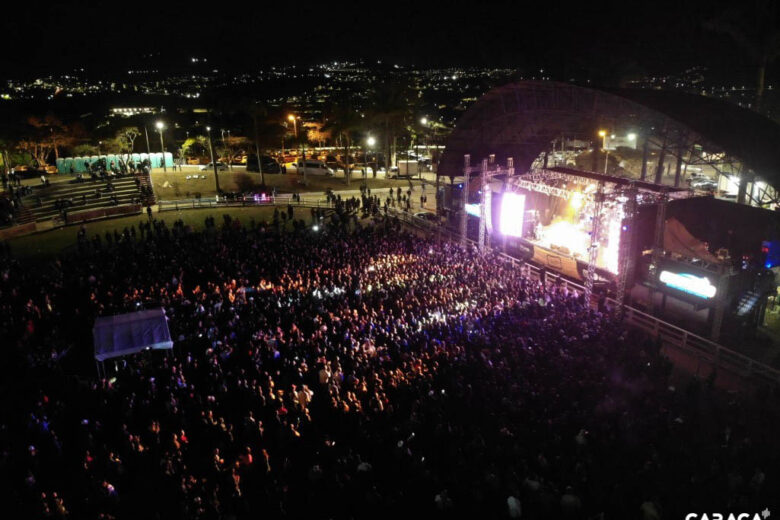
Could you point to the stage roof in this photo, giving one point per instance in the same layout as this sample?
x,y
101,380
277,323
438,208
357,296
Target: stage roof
x,y
520,120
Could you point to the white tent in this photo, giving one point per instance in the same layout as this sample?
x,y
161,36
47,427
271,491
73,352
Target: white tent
x,y
126,334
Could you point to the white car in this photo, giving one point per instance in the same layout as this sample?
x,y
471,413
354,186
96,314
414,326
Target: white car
x,y
222,167
313,167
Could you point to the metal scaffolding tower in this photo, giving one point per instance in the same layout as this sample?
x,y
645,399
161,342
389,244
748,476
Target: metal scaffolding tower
x,y
626,261
484,187
465,198
595,236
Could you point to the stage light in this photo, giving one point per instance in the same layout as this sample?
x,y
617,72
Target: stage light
x,y
576,200
512,213
612,251
602,133
564,234
632,136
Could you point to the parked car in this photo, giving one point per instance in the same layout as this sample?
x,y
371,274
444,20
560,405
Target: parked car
x,y
703,183
269,164
313,167
222,167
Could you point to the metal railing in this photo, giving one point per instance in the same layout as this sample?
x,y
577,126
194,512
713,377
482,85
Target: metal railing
x,y
212,202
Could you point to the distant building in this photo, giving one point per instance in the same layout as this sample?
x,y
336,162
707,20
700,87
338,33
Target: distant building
x,y
132,111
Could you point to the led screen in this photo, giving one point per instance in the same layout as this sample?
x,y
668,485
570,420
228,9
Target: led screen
x,y
511,216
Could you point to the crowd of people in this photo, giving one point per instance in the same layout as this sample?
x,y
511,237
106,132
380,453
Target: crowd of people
x,y
352,371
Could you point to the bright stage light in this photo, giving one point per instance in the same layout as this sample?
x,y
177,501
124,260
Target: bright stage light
x,y
565,235
576,200
512,213
612,251
473,210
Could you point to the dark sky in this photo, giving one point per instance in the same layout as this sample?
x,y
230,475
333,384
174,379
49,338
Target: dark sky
x,y
567,38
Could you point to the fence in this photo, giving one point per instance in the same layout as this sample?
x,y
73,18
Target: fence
x,y
240,202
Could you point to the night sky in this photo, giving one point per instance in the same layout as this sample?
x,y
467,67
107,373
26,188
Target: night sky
x,y
582,39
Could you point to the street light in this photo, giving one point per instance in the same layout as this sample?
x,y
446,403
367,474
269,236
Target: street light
x,y
294,122
603,135
160,125
370,142
213,163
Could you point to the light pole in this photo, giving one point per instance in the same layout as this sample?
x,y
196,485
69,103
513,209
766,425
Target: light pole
x,y
370,142
230,155
424,123
294,120
295,124
603,135
160,125
213,163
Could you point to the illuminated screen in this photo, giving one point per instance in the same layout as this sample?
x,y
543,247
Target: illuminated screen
x,y
512,212
472,209
686,282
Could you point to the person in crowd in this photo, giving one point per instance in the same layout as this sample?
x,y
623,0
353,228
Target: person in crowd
x,y
357,371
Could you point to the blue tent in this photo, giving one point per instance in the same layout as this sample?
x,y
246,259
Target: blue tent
x,y
126,334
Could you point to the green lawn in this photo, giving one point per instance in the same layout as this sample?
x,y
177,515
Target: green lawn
x,y
45,245
175,185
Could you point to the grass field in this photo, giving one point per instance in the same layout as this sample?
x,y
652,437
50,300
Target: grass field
x,y
175,185
43,246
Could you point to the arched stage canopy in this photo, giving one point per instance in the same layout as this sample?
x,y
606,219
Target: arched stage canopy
x,y
522,120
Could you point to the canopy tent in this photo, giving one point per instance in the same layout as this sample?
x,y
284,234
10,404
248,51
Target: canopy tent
x,y
677,239
126,334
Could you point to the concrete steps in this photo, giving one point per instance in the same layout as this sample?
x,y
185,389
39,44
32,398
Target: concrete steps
x,y
42,203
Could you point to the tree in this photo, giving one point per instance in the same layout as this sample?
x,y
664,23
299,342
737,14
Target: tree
x,y
84,150
343,121
316,134
38,150
232,148
44,136
754,27
197,146
126,137
390,111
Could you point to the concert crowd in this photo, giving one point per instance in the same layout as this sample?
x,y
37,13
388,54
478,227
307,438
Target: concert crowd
x,y
355,371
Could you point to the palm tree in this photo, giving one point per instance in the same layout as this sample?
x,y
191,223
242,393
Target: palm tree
x,y
753,26
343,121
390,111
257,110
